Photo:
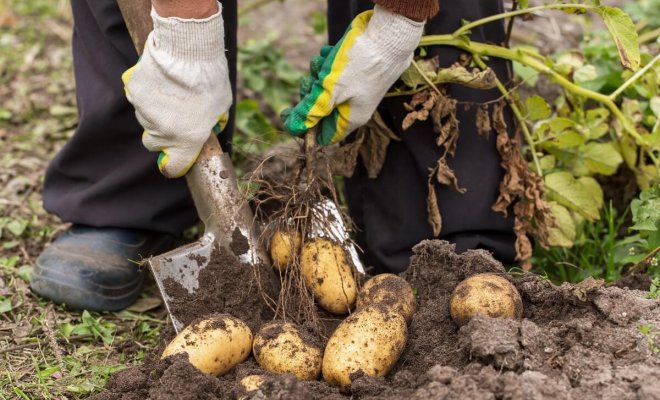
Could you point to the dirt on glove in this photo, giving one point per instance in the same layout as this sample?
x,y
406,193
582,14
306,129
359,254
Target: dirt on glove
x,y
573,342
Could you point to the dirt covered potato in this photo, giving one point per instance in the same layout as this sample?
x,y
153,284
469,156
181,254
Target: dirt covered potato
x,y
371,340
485,294
329,275
391,291
282,348
283,244
214,345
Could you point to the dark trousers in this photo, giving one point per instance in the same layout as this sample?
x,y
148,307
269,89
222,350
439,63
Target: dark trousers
x,y
104,177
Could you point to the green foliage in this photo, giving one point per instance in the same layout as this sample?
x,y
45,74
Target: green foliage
x,y
654,290
597,251
651,334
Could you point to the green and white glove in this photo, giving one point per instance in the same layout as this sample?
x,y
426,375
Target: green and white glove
x,y
350,79
180,88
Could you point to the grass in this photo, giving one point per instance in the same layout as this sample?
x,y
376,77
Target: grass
x,y
47,352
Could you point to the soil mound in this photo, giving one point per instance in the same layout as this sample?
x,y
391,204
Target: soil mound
x,y
573,342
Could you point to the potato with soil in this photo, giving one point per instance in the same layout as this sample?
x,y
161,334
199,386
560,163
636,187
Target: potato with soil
x,y
329,275
214,345
391,291
283,246
283,348
369,341
486,294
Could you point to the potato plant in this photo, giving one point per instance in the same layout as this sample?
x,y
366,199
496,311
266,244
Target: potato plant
x,y
593,129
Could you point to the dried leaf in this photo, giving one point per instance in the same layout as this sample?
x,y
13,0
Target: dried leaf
x,y
376,141
344,159
483,121
435,219
446,176
445,123
419,108
475,79
523,189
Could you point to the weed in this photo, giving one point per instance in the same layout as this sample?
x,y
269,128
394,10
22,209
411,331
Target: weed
x,y
651,334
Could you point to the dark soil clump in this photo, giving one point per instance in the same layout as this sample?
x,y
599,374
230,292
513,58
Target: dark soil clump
x,y
573,342
227,286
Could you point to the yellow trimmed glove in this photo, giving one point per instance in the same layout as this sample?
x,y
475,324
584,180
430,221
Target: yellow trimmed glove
x,y
180,89
349,80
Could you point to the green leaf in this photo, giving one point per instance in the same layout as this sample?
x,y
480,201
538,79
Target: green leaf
x,y
646,210
16,226
561,133
413,78
563,234
100,330
528,74
523,3
623,32
537,108
5,305
585,73
655,106
583,195
600,158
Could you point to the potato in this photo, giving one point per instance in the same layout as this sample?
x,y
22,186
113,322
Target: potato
x,y
328,274
214,345
282,348
485,294
282,245
391,291
371,340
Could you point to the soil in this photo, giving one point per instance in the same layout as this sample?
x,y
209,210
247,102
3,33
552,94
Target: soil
x,y
227,286
573,342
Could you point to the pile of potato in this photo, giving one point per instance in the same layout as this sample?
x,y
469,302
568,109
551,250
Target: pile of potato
x,y
370,340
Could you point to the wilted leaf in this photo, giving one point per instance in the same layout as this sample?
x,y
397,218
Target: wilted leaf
x,y
563,233
483,121
623,32
419,108
445,123
446,176
435,218
628,149
583,195
537,108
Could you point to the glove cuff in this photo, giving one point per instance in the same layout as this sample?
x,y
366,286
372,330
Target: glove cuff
x,y
189,39
396,36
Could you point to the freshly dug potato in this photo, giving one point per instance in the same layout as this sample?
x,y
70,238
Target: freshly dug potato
x,y
282,348
371,340
214,345
251,383
485,294
328,274
282,244
391,291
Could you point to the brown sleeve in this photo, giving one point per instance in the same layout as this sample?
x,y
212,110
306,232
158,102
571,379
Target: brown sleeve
x,y
419,10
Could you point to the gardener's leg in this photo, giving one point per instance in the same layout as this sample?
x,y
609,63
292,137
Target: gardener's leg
x,y
391,210
103,180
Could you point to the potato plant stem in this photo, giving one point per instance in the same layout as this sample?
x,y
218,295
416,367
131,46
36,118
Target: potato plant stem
x,y
486,50
634,78
468,27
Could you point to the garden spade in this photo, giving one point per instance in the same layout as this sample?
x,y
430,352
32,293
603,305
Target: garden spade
x,y
214,189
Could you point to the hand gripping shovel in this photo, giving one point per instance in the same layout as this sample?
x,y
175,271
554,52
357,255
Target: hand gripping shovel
x,y
214,189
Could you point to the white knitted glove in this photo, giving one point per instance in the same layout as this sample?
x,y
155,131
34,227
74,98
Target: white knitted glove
x,y
180,88
350,79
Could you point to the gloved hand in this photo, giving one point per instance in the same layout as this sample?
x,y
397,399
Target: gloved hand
x,y
180,88
350,79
